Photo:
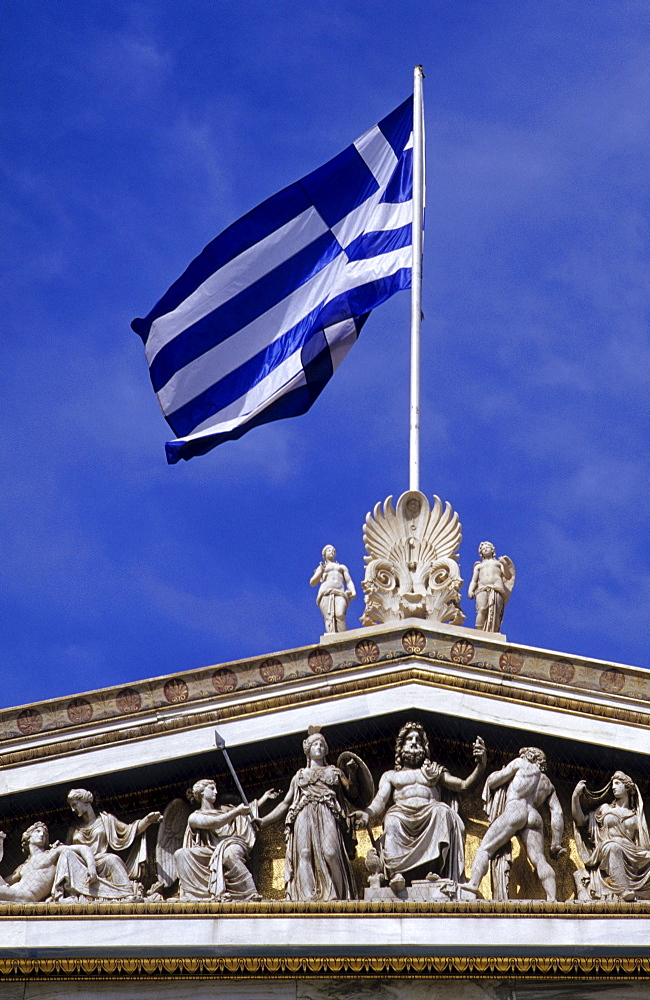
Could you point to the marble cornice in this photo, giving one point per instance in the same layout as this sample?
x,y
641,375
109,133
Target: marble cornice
x,y
385,674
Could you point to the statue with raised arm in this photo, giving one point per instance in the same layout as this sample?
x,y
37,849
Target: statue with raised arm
x,y
33,881
612,838
491,585
212,864
335,592
104,834
423,833
522,788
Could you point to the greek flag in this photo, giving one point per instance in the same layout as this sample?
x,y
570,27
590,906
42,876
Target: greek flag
x,y
260,320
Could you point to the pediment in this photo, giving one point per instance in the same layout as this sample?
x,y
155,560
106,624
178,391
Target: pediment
x,y
139,748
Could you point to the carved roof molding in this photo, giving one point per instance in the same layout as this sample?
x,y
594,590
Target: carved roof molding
x,y
361,660
637,717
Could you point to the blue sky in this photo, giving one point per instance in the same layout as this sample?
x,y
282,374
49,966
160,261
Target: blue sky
x,y
132,134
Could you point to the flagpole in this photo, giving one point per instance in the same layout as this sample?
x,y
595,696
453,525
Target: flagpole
x,y
416,281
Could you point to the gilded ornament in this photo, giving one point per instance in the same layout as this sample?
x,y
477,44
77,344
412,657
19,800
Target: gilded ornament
x,y
224,681
128,700
29,722
319,660
366,651
271,670
176,691
612,681
462,651
79,710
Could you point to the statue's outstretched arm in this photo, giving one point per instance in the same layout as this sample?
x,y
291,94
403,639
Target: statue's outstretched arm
x,y
455,784
379,804
280,810
149,820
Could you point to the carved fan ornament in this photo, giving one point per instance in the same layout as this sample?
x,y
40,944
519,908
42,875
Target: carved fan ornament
x,y
412,561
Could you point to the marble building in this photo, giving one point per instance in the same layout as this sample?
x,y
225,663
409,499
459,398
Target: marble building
x,y
413,808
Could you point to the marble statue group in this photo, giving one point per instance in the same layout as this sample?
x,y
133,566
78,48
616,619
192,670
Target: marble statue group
x,y
413,817
412,570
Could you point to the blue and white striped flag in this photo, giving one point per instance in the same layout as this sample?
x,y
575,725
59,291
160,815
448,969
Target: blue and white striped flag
x,y
256,326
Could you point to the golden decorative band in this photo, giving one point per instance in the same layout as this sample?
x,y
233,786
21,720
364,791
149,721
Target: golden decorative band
x,y
610,908
367,967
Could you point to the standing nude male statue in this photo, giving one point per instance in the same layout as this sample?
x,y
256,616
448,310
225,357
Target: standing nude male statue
x,y
528,788
335,592
491,584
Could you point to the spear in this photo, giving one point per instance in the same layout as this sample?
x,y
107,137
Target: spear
x,y
221,745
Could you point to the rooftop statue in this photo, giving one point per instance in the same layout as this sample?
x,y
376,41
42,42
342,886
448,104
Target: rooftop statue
x,y
103,833
422,832
33,881
513,797
491,585
412,561
319,833
212,863
612,838
335,592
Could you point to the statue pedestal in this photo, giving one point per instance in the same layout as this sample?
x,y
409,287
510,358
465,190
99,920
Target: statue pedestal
x,y
424,890
424,624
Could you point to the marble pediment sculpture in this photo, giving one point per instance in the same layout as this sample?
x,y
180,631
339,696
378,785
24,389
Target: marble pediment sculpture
x,y
207,850
335,590
612,838
412,561
319,830
423,833
513,797
491,586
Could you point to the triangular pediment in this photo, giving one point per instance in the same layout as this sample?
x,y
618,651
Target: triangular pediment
x,y
138,748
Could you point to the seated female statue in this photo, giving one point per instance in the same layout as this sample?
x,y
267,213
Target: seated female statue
x,y
212,863
102,833
612,838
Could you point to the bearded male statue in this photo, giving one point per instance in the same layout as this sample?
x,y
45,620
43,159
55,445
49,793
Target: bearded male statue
x,y
422,832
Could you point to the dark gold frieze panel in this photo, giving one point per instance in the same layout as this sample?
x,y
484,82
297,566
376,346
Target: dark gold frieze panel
x,y
485,909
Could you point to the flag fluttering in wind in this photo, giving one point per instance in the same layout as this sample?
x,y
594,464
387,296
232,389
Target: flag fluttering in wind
x,y
260,320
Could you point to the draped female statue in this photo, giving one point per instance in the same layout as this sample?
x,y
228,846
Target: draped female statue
x,y
318,830
612,838
103,833
212,863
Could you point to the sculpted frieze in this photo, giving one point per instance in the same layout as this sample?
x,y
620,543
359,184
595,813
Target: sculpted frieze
x,y
428,831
